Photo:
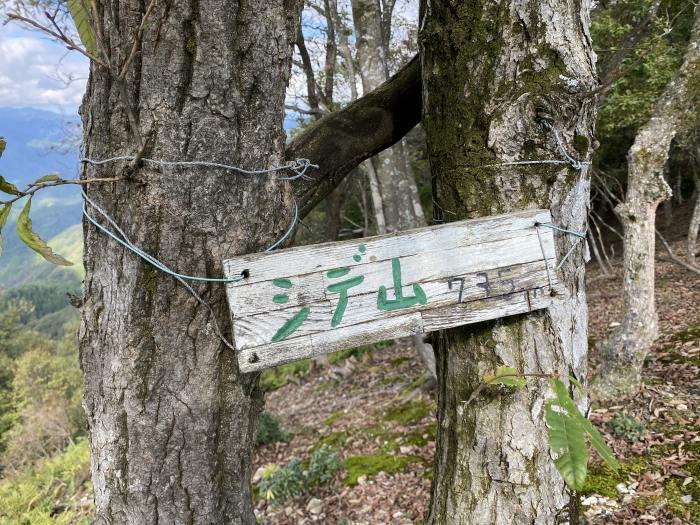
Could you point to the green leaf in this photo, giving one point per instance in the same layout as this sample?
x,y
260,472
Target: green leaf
x,y
600,446
48,178
31,239
8,187
4,214
2,146
597,441
505,375
81,17
566,438
577,384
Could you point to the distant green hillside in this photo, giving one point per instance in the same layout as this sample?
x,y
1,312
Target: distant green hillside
x,y
19,265
38,143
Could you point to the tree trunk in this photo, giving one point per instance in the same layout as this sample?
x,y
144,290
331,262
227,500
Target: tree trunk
x,y
393,186
622,355
694,227
491,72
171,420
400,206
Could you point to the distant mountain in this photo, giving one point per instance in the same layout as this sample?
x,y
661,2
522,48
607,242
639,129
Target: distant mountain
x,y
38,143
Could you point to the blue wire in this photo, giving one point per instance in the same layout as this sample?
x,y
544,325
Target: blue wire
x,y
158,264
289,231
549,225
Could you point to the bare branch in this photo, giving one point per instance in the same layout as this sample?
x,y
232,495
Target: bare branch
x,y
36,186
331,8
303,111
341,140
309,72
672,257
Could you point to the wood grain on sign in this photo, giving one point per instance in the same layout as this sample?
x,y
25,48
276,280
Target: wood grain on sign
x,y
311,300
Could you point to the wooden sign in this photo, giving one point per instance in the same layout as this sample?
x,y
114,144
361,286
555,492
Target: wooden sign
x,y
311,300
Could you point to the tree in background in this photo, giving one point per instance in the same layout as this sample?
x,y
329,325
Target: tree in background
x,y
395,196
40,390
622,356
392,186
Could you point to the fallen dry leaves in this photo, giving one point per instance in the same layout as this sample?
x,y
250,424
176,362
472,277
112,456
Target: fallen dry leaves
x,y
356,393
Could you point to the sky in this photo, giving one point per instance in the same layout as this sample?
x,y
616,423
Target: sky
x,y
37,72
40,73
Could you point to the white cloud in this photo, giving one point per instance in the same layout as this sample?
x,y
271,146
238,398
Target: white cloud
x,y
36,72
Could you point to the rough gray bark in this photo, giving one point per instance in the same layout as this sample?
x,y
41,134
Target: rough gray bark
x,y
622,355
694,226
171,420
491,73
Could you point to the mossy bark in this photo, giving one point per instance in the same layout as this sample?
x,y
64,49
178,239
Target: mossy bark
x,y
493,72
622,355
171,420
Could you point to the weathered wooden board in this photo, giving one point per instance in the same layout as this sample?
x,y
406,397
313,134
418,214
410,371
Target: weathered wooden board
x,y
311,300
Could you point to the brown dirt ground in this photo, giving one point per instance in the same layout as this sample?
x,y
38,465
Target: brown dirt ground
x,y
349,406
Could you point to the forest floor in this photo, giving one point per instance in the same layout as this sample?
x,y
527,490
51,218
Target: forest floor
x,y
370,405
371,409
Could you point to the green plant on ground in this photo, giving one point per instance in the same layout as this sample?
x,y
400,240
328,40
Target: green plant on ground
x,y
269,430
277,377
357,351
627,427
34,497
324,464
691,333
335,416
277,485
334,439
422,435
604,482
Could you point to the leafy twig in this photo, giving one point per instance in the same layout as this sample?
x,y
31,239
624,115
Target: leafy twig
x,y
60,36
33,187
483,384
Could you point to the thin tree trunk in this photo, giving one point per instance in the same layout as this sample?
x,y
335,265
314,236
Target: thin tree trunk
x,y
622,355
171,420
694,227
668,203
491,72
397,186
376,195
394,192
596,253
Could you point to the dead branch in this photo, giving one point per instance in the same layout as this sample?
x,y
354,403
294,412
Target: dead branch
x,y
36,186
672,257
137,41
341,140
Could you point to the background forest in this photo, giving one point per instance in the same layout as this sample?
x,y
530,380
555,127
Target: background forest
x,y
319,456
